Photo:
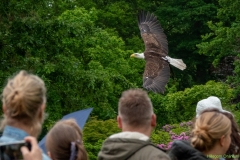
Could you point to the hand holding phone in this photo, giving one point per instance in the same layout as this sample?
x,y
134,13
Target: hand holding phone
x,y
11,150
35,152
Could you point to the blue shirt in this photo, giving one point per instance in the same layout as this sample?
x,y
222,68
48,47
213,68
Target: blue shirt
x,y
12,134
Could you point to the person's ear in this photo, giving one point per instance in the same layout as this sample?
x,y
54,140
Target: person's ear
x,y
42,109
154,120
222,140
4,109
119,120
49,155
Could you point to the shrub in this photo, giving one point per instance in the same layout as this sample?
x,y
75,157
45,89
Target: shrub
x,y
95,132
175,132
176,107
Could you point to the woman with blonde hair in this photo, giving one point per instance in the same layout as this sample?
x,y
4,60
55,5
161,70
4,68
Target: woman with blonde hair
x,y
210,138
215,102
64,141
24,100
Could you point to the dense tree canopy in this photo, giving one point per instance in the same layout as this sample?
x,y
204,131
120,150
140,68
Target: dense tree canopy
x,y
223,40
83,65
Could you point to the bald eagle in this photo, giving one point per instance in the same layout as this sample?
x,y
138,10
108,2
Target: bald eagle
x,y
157,70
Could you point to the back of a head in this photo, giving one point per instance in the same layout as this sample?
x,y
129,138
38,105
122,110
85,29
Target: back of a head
x,y
22,98
135,108
234,147
64,141
209,127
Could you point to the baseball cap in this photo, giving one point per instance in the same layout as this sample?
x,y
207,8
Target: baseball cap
x,y
210,102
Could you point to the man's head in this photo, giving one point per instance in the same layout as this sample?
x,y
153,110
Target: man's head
x,y
135,110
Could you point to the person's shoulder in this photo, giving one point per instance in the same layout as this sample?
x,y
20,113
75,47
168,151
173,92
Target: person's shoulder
x,y
45,157
154,153
183,150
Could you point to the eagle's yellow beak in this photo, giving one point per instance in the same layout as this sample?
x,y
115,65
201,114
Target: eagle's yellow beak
x,y
132,55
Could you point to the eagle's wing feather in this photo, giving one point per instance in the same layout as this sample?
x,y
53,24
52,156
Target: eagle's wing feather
x,y
156,75
152,33
157,71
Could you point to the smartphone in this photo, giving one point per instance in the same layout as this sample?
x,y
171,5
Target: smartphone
x,y
12,150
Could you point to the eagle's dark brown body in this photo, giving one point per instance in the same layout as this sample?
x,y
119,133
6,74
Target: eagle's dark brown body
x,y
157,71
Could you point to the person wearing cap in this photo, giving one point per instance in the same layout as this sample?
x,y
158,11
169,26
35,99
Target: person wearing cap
x,y
210,102
210,138
214,102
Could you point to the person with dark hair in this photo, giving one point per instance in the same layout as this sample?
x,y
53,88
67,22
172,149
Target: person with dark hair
x,y
137,120
234,148
210,138
64,141
24,101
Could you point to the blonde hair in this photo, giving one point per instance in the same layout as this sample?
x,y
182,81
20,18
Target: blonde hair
x,y
62,137
135,108
22,98
209,127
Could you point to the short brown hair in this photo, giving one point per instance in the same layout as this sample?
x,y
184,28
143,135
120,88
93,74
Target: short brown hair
x,y
135,108
208,128
60,139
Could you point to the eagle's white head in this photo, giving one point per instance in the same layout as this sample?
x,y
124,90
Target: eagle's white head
x,y
138,55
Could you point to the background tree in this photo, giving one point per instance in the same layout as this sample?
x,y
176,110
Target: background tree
x,y
223,42
83,65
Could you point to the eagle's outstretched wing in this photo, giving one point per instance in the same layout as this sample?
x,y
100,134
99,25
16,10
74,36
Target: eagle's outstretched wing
x,y
152,34
157,71
156,75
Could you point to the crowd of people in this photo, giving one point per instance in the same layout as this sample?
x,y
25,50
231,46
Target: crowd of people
x,y
214,135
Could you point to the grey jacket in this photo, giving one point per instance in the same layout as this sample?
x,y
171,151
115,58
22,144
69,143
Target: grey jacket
x,y
126,148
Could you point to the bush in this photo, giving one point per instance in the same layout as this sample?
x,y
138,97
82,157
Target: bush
x,y
169,133
93,149
95,132
180,106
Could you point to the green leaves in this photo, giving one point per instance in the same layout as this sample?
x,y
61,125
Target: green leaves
x,y
95,132
82,65
181,106
223,39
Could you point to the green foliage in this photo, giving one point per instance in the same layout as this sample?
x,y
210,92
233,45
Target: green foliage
x,y
95,132
181,106
160,137
93,149
184,22
223,39
180,129
82,65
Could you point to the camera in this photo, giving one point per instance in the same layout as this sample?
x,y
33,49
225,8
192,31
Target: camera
x,y
12,150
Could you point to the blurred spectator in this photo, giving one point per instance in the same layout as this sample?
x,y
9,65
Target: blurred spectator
x,y
210,138
24,100
137,120
64,141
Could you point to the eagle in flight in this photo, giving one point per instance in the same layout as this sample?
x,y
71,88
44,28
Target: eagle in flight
x,y
157,70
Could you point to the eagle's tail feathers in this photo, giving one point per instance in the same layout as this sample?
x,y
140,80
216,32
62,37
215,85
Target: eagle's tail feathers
x,y
176,62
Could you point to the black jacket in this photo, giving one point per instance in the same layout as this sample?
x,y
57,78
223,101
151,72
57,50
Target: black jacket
x,y
182,150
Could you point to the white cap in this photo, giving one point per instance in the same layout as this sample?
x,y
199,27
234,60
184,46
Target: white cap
x,y
210,102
